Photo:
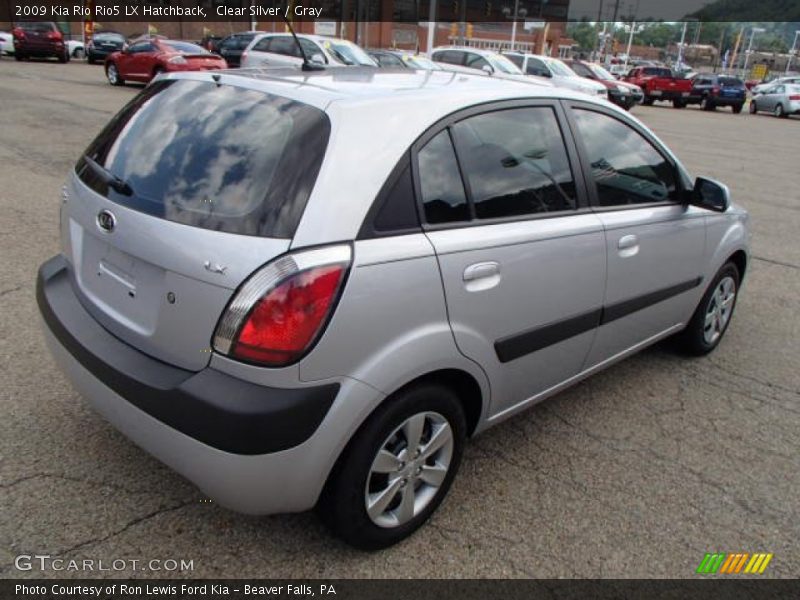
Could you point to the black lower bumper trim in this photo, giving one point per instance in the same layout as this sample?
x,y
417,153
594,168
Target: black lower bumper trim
x,y
221,411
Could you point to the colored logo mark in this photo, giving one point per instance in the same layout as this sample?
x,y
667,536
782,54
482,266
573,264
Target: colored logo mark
x,y
735,562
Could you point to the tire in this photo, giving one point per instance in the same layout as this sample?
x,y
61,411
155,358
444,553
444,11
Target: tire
x,y
753,107
780,112
78,53
112,74
647,101
737,108
707,104
353,482
19,57
700,338
679,104
158,71
90,60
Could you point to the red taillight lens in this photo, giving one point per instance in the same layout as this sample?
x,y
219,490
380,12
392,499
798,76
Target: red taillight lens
x,y
18,33
794,97
287,319
278,314
715,90
55,35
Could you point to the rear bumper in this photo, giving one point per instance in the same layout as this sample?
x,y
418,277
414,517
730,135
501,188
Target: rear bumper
x,y
251,448
670,95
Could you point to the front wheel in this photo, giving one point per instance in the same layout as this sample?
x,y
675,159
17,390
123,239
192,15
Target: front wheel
x,y
397,469
753,107
779,112
112,74
712,317
78,53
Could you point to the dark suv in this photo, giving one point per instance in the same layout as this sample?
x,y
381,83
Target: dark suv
x,y
711,90
39,39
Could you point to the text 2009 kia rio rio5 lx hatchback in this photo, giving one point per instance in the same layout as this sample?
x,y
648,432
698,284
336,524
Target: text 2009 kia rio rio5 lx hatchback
x,y
308,289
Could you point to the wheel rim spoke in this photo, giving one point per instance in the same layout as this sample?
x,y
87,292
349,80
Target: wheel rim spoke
x,y
440,437
433,475
386,462
405,512
377,503
413,431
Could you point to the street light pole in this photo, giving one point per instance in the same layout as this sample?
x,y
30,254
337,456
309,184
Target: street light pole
x,y
753,33
514,25
431,25
792,52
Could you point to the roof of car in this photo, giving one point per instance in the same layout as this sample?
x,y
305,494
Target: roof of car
x,y
480,51
347,85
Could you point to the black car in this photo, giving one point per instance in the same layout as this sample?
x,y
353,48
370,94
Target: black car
x,y
231,47
102,44
711,90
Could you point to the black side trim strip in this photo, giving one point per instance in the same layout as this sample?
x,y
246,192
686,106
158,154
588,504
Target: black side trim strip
x,y
520,344
527,342
626,307
224,412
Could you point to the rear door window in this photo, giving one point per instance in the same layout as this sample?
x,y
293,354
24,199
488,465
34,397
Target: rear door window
x,y
217,157
515,163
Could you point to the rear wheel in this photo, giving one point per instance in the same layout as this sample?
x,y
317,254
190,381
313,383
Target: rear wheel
x,y
112,74
713,315
679,103
753,107
90,60
648,101
397,469
78,53
707,104
779,112
19,57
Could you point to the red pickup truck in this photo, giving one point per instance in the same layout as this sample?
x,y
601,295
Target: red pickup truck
x,y
658,83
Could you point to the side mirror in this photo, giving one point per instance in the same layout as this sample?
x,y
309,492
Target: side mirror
x,y
317,58
487,69
710,194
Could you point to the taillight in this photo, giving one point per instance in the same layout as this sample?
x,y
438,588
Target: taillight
x,y
18,33
794,97
280,312
55,35
715,90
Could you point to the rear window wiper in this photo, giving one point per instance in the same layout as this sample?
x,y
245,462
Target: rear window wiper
x,y
119,185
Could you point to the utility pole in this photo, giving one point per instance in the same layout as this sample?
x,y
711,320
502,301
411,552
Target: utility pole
x,y
792,52
431,25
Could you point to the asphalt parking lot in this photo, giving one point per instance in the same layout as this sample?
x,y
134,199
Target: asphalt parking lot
x,y
636,472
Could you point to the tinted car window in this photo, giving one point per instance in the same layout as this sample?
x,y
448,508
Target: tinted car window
x,y
285,46
34,27
398,211
440,182
536,67
657,72
311,49
731,82
185,48
581,70
475,61
450,57
141,47
108,37
515,163
515,58
262,45
217,157
626,168
388,60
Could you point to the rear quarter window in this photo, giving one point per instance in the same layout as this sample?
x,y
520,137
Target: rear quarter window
x,y
218,157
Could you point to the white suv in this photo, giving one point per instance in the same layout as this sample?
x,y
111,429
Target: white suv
x,y
556,71
280,50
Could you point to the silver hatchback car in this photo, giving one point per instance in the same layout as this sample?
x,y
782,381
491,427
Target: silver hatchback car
x,y
308,289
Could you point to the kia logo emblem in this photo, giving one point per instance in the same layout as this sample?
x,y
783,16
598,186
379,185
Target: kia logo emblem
x,y
106,220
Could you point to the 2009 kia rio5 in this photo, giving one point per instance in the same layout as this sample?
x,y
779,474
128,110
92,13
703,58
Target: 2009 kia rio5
x,y
308,289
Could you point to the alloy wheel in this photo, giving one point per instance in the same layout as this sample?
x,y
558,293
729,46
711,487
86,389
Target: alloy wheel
x,y
408,470
112,74
719,309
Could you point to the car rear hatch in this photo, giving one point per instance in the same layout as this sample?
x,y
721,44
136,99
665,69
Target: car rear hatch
x,y
202,62
185,193
731,88
39,37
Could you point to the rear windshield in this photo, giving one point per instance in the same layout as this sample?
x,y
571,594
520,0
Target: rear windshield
x,y
186,48
730,82
657,71
37,27
111,37
217,157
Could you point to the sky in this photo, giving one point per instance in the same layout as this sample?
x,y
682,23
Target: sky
x,y
668,10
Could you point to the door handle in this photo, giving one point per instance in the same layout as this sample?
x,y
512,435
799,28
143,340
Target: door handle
x,y
481,270
627,241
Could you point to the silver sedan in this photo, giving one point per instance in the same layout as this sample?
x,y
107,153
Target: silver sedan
x,y
781,100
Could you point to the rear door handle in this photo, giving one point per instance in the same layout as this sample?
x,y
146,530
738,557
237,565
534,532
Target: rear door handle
x,y
481,270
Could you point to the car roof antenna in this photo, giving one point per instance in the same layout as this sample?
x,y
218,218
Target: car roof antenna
x,y
307,64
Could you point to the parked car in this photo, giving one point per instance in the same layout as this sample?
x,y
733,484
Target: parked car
x,y
399,59
75,48
620,93
211,43
231,47
791,79
102,44
659,84
618,71
281,50
6,43
487,61
711,90
782,100
371,301
145,59
39,39
557,72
